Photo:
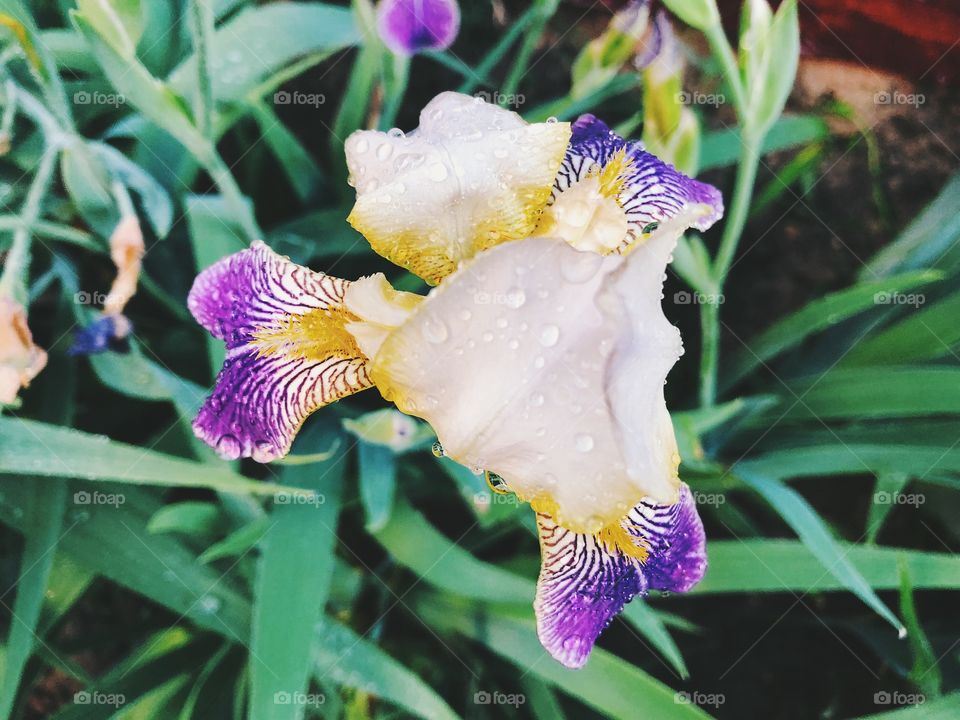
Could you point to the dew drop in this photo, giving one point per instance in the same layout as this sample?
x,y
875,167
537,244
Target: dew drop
x,y
584,443
549,335
437,450
435,331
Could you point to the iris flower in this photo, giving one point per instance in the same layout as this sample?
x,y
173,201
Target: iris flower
x,y
408,26
540,358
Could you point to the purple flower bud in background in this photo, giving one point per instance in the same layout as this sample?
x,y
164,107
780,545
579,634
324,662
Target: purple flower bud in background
x,y
408,26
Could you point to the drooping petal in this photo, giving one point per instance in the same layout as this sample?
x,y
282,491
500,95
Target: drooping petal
x,y
21,360
471,176
408,26
604,176
586,580
546,365
288,352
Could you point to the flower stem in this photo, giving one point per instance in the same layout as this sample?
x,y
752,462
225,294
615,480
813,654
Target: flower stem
x,y
13,282
710,311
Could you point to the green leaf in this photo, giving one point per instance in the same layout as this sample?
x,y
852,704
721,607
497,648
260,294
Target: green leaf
x,y
946,708
42,527
925,333
930,240
925,672
36,448
191,518
723,147
159,567
378,482
813,532
342,656
646,621
156,201
612,686
748,566
295,161
119,22
907,392
695,13
415,543
152,97
299,547
244,55
237,543
888,486
819,315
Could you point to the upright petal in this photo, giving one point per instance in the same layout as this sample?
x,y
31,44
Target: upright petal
x,y
288,351
612,177
585,580
546,366
408,26
471,176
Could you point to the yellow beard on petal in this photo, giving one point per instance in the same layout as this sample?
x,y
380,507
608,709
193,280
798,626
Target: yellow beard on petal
x,y
315,335
588,214
618,540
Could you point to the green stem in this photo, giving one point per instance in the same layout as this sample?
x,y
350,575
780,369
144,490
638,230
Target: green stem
x,y
545,11
13,282
201,30
736,219
232,194
720,47
395,89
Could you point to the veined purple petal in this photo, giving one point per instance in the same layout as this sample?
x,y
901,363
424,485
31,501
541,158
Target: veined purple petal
x,y
653,191
408,26
584,582
287,351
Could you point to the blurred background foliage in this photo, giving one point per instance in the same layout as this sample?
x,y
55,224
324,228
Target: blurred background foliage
x,y
366,578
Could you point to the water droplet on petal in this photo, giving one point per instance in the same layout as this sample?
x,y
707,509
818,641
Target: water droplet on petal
x,y
549,335
584,442
437,450
435,331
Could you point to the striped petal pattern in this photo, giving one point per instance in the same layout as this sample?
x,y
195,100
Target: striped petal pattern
x,y
586,580
648,190
288,352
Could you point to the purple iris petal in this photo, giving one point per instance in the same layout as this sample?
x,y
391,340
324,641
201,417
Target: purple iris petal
x,y
107,333
265,392
408,26
653,190
584,584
